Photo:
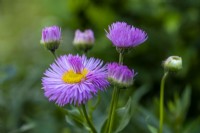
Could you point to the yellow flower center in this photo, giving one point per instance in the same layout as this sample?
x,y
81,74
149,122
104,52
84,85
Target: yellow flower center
x,y
72,77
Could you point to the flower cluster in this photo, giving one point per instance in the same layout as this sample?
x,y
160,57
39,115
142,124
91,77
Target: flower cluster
x,y
74,79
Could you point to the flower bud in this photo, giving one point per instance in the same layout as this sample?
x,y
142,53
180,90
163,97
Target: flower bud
x,y
120,75
173,63
51,37
84,40
125,36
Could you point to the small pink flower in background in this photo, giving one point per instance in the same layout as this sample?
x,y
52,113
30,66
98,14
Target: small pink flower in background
x,y
86,37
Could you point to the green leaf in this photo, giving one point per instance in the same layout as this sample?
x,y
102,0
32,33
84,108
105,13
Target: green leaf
x,y
123,116
179,106
186,96
192,126
27,127
93,104
152,129
171,106
74,117
138,94
103,128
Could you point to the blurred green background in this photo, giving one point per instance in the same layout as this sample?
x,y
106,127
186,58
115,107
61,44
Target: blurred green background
x,y
173,28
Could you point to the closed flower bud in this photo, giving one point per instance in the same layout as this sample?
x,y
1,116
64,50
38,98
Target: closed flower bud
x,y
51,37
84,40
173,63
120,75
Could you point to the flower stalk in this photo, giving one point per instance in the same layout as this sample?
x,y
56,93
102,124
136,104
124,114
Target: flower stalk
x,y
121,58
114,101
162,101
90,124
113,107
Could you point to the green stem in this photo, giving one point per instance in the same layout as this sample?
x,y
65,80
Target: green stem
x,y
162,101
121,58
114,101
90,124
111,109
